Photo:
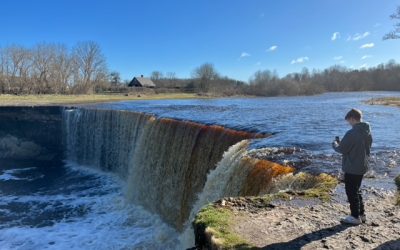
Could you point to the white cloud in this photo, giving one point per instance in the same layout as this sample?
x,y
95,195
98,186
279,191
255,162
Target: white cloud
x,y
342,62
337,58
365,57
363,66
335,36
244,54
300,60
272,48
367,46
358,36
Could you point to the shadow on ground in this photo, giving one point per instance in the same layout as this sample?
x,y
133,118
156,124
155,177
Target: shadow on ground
x,y
390,245
305,239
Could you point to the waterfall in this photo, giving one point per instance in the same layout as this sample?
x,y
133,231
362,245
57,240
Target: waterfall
x,y
165,162
235,175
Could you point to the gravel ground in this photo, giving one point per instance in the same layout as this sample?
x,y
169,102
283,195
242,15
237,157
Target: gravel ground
x,y
315,225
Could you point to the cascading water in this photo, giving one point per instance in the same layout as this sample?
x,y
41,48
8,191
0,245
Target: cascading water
x,y
223,181
165,162
161,170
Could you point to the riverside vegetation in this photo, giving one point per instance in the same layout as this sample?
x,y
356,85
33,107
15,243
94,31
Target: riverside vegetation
x,y
56,69
389,101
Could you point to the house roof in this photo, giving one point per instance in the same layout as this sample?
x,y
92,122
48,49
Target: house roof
x,y
145,82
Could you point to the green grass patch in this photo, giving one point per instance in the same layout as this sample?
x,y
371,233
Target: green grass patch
x,y
218,221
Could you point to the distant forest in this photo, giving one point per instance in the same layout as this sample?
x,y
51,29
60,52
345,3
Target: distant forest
x,y
55,69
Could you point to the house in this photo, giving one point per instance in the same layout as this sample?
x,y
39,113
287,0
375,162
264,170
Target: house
x,y
142,82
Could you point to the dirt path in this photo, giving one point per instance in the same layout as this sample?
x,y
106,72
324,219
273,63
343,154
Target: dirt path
x,y
316,226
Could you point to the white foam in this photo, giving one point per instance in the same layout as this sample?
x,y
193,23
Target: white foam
x,y
111,222
10,174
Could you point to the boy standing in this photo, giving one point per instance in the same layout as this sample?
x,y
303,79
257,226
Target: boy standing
x,y
355,148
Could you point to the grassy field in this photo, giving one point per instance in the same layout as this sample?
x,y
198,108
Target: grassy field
x,y
390,101
24,100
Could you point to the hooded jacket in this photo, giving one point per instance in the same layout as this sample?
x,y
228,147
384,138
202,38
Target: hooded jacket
x,y
355,148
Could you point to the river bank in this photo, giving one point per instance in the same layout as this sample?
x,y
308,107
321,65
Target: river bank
x,y
295,223
40,100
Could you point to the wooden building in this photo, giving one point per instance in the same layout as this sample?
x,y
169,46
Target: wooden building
x,y
142,82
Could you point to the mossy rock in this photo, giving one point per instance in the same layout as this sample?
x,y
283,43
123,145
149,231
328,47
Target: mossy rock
x,y
304,185
212,227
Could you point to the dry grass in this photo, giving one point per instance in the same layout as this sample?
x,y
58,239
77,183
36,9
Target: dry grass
x,y
23,100
389,101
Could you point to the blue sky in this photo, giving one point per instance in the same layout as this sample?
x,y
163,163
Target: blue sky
x,y
237,36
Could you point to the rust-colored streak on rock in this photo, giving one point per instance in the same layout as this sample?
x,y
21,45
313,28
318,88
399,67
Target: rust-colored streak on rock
x,y
209,144
165,161
261,175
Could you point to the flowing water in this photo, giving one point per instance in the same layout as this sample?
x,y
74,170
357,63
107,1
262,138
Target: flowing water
x,y
132,180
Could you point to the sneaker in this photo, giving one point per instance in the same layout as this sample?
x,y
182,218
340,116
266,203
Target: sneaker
x,y
363,218
351,220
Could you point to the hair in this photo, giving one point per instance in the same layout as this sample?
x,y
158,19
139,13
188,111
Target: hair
x,y
355,114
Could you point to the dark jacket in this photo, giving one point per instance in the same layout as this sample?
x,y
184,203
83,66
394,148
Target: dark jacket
x,y
355,148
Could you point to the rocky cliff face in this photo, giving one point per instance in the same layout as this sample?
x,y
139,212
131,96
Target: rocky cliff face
x,y
31,133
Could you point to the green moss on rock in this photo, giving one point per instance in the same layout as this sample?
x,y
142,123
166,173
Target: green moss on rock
x,y
213,229
304,185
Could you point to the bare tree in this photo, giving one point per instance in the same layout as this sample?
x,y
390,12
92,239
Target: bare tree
x,y
91,64
171,75
115,78
394,34
156,75
3,70
205,73
62,69
19,63
42,60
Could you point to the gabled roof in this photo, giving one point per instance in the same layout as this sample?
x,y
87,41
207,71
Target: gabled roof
x,y
145,82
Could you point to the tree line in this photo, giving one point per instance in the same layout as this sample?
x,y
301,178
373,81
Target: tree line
x,y
55,69
384,77
206,79
52,69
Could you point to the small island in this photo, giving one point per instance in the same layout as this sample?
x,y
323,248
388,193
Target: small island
x,y
389,101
